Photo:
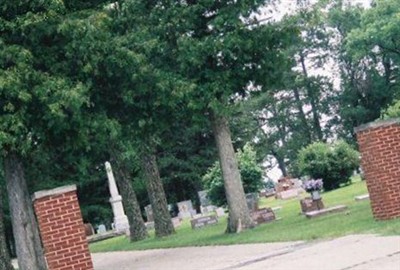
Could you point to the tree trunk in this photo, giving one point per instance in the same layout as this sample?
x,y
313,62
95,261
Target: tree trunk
x,y
281,162
162,218
239,215
280,157
137,228
302,115
26,234
5,261
313,102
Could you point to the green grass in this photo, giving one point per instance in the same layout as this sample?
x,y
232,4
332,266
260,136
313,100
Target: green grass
x,y
291,227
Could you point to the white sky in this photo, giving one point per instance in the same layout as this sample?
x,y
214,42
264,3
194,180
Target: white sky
x,y
284,7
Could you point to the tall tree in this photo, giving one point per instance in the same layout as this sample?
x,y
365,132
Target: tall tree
x,y
188,150
137,227
365,51
125,88
289,116
225,57
313,90
28,243
85,51
5,260
34,101
271,121
16,77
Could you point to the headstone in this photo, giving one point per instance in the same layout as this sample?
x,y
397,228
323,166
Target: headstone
x,y
101,229
207,209
203,221
262,193
203,197
288,188
197,215
308,205
288,194
263,215
193,213
297,183
120,219
185,209
252,201
205,203
149,225
88,229
362,197
334,209
149,213
176,222
269,192
276,208
284,183
220,212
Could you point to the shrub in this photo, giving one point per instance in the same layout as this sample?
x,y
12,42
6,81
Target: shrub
x,y
333,163
393,111
269,184
250,172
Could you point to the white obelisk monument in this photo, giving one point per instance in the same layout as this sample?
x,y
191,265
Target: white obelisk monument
x,y
121,223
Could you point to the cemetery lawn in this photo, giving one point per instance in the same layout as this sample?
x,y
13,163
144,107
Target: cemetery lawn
x,y
291,226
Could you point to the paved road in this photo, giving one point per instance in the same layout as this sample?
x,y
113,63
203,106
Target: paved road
x,y
354,252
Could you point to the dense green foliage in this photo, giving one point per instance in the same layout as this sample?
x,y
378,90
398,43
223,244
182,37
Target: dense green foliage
x,y
333,163
392,111
250,172
368,56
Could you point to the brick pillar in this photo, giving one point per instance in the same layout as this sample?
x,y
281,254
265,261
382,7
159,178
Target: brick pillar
x,y
380,159
61,229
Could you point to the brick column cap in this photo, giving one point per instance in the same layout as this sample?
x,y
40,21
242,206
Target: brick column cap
x,y
51,192
377,124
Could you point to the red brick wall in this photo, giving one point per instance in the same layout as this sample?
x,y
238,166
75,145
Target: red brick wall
x,y
380,159
62,230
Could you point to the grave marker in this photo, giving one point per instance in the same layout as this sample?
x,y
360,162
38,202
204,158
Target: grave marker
x,y
263,215
101,229
207,209
362,197
88,229
334,209
149,213
203,197
120,219
288,194
252,201
220,212
308,205
149,225
186,209
203,221
176,221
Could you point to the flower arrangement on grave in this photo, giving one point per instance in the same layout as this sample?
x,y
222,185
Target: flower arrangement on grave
x,y
314,187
